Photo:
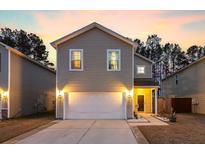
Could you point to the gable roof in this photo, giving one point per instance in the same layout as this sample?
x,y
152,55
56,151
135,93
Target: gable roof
x,y
26,57
87,28
143,57
186,67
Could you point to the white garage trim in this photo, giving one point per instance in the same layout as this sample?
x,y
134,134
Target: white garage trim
x,y
65,104
94,105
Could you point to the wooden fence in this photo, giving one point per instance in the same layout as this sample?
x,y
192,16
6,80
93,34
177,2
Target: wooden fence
x,y
180,105
164,106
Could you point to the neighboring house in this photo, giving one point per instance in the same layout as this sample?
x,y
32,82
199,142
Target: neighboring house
x,y
188,83
100,77
26,86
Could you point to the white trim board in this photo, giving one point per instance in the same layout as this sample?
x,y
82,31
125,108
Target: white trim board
x,y
9,82
56,83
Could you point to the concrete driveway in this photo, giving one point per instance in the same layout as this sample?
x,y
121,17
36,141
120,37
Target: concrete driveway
x,y
84,132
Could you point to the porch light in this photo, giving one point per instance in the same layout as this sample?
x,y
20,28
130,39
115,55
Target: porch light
x,y
129,93
4,95
59,93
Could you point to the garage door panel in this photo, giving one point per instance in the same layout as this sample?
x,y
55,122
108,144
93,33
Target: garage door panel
x,y
75,115
100,105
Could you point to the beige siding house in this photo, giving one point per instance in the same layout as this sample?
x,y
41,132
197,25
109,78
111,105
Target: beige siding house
x,y
26,86
95,74
144,86
188,82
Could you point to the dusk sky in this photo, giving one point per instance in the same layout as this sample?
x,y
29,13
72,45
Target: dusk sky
x,y
183,27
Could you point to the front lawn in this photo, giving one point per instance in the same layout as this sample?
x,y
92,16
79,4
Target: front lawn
x,y
189,128
14,127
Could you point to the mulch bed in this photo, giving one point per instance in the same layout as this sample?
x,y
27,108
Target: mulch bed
x,y
14,127
189,129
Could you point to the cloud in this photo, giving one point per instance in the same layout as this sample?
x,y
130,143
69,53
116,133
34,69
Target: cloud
x,y
171,26
183,13
199,25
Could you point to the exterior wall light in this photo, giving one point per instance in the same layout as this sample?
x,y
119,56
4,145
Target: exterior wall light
x,y
129,93
4,99
59,93
4,95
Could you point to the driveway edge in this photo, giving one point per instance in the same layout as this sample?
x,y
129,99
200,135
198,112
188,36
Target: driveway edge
x,y
139,136
14,140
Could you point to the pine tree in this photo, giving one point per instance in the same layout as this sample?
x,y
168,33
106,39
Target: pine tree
x,y
29,44
8,37
168,58
193,53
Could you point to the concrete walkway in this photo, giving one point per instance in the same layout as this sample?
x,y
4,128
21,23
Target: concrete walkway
x,y
152,121
83,132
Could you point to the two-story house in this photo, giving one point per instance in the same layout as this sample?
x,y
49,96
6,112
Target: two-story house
x,y
99,76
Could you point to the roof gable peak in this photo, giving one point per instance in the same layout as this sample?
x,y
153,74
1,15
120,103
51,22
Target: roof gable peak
x,y
87,28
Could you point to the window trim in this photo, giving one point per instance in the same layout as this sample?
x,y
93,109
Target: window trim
x,y
81,56
118,50
140,66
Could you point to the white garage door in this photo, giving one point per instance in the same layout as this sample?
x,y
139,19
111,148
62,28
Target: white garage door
x,y
97,105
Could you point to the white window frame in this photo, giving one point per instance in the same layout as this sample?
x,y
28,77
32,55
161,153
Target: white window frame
x,y
81,57
140,66
110,50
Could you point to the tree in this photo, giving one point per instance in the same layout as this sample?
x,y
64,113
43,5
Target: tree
x,y
165,60
175,51
153,47
201,51
28,43
154,50
168,58
38,49
172,59
23,42
141,47
8,37
194,53
181,60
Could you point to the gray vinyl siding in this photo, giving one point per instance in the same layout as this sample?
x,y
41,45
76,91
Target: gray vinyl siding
x,y
4,68
148,67
190,84
30,84
94,77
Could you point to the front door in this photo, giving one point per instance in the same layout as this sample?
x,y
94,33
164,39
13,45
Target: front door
x,y
140,102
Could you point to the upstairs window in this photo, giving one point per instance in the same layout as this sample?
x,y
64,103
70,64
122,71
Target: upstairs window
x,y
140,69
76,59
113,60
